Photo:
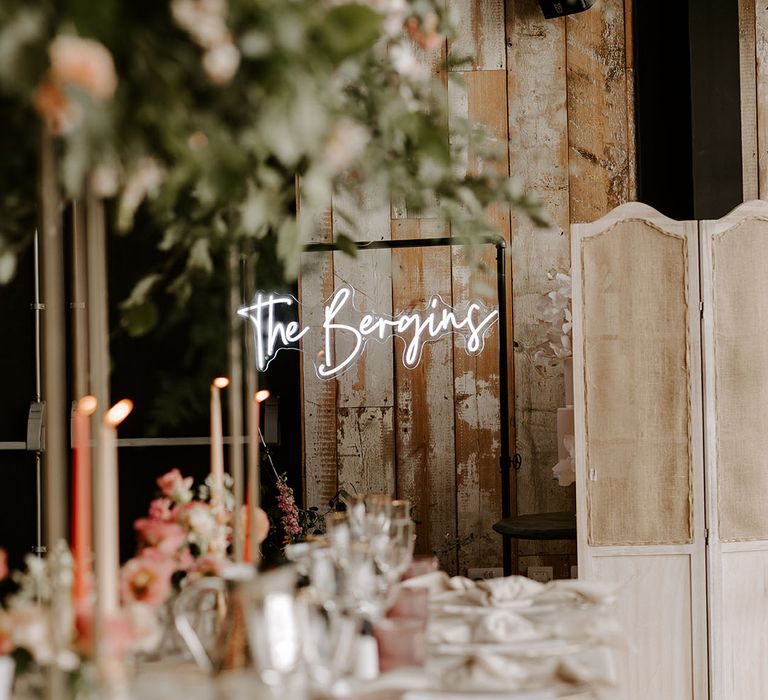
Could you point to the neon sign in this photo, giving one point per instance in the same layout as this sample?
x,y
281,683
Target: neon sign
x,y
414,327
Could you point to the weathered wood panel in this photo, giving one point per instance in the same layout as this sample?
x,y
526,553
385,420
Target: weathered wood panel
x,y
761,79
318,396
365,393
749,88
480,34
598,139
538,131
424,422
482,99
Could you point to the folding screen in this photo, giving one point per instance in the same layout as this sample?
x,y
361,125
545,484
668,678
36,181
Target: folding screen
x,y
640,492
735,292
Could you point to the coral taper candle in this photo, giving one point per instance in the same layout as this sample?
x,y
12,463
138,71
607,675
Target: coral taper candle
x,y
82,506
254,475
217,434
108,511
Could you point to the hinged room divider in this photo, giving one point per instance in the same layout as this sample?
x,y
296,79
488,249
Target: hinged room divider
x,y
671,401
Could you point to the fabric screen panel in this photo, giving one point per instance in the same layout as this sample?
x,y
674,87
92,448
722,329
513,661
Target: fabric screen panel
x,y
637,385
740,314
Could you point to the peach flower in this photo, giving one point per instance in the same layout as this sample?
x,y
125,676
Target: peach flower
x,y
147,578
160,509
175,486
425,34
60,114
83,63
165,536
262,525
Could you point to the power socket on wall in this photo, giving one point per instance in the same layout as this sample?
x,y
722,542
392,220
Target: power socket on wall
x,y
541,573
478,573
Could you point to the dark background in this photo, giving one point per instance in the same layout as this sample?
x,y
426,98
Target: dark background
x,y
689,167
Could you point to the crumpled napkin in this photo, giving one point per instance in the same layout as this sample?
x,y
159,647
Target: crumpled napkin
x,y
510,590
504,626
497,626
448,630
577,591
487,672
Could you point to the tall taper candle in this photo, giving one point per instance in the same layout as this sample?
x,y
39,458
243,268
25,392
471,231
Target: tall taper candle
x,y
254,472
82,508
217,433
108,511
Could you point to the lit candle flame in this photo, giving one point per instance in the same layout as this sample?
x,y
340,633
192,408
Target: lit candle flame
x,y
221,382
86,405
118,413
260,396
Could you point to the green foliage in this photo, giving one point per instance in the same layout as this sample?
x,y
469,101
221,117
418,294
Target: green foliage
x,y
324,96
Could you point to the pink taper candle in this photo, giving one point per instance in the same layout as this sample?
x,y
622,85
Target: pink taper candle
x,y
217,433
108,512
82,507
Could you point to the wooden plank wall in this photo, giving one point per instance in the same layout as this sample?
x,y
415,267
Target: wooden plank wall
x,y
561,93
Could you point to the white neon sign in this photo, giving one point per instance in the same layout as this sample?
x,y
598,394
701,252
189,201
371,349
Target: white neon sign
x,y
414,327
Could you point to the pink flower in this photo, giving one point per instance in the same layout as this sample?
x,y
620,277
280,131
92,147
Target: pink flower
x,y
175,486
166,536
84,63
60,114
425,34
160,509
290,517
147,578
3,563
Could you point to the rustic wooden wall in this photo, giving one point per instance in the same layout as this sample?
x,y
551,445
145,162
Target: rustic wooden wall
x,y
561,93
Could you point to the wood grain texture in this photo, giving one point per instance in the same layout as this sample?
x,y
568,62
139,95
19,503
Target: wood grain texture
x,y
761,79
480,34
365,393
656,663
318,396
748,78
538,147
599,145
482,99
426,457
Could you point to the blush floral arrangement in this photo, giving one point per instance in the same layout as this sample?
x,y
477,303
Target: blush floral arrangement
x,y
185,535
43,626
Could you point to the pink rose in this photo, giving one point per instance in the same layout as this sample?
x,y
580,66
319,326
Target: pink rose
x,y
175,486
425,34
3,563
147,578
165,536
160,509
84,63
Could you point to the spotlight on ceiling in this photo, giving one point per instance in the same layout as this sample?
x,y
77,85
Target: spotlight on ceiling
x,y
559,8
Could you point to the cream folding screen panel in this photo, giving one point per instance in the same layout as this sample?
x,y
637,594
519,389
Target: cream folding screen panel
x,y
640,485
734,275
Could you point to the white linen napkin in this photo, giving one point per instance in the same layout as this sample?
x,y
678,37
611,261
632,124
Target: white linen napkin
x,y
507,591
577,591
505,626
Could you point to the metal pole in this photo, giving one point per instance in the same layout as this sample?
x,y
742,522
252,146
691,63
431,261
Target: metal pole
x,y
78,305
37,307
505,457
